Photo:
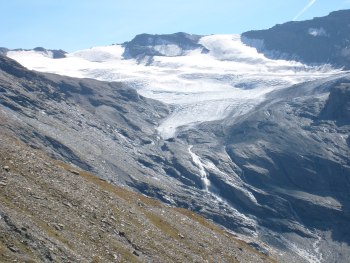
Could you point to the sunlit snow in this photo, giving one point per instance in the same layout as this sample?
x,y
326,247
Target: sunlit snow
x,y
231,79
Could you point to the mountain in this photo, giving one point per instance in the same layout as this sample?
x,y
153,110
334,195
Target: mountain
x,y
53,211
317,41
260,146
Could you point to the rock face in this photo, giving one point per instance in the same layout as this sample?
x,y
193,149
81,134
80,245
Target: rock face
x,y
146,45
318,41
338,104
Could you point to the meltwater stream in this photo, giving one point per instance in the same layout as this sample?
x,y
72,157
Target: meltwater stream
x,y
203,168
202,172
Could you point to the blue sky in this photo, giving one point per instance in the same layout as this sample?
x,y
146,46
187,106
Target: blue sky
x,y
78,24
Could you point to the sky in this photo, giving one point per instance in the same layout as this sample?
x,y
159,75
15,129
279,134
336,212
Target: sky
x,y
78,24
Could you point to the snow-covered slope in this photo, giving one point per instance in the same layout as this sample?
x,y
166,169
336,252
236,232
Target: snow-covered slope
x,y
231,78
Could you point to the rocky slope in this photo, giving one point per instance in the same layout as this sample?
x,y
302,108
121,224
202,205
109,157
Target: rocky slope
x,y
320,40
52,212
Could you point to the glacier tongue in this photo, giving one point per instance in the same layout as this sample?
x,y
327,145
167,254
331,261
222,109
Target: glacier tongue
x,y
231,78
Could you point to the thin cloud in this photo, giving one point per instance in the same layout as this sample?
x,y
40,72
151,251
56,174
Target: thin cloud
x,y
304,9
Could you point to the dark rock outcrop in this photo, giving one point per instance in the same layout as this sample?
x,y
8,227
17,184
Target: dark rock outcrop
x,y
55,53
338,104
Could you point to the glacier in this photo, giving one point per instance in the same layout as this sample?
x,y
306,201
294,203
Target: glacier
x,y
231,79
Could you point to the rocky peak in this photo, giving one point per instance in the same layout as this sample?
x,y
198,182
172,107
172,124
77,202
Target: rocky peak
x,y
55,53
161,45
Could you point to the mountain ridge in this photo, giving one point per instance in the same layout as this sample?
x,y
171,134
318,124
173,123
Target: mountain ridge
x,y
317,41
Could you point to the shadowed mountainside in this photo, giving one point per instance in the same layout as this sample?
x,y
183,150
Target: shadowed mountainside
x,y
318,41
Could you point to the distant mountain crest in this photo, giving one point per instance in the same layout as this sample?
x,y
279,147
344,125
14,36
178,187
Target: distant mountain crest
x,y
54,53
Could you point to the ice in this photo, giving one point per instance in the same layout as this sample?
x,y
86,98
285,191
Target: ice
x,y
100,54
231,79
168,50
